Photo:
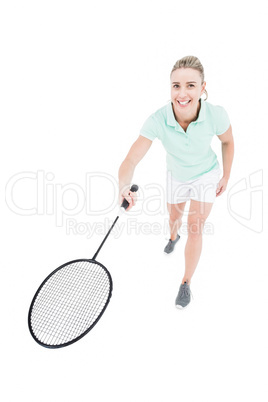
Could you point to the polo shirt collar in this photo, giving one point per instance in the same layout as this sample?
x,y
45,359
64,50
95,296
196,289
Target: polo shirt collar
x,y
171,121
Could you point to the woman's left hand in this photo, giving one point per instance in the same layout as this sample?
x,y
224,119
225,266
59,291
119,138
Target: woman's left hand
x,y
221,186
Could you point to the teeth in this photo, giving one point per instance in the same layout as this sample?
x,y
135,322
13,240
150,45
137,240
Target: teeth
x,y
183,103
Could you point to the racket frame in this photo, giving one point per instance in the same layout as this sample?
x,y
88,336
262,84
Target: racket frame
x,y
91,261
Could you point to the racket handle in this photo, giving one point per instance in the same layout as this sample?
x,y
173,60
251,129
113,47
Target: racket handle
x,y
133,188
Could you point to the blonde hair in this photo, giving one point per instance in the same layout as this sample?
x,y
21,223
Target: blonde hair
x,y
191,62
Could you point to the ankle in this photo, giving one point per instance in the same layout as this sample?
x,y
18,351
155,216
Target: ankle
x,y
187,281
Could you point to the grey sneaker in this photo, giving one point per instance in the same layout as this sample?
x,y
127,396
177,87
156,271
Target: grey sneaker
x,y
184,296
171,245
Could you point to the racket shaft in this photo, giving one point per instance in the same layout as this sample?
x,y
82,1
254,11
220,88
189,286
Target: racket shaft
x,y
105,238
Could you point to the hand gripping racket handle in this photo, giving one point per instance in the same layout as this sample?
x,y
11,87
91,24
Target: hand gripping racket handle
x,y
125,203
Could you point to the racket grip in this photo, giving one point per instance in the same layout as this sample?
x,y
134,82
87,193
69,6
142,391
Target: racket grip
x,y
133,188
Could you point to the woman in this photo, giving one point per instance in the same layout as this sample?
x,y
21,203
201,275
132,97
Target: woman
x,y
186,126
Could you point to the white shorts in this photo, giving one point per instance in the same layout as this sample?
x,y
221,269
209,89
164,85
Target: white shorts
x,y
202,189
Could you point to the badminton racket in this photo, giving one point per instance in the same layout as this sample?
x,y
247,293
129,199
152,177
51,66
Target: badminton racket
x,y
71,299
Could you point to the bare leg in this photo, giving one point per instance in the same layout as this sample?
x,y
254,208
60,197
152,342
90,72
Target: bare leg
x,y
198,213
175,218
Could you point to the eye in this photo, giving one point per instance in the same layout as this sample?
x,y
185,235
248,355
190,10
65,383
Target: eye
x,y
175,86
191,85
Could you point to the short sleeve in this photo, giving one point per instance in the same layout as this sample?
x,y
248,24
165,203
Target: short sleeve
x,y
150,128
222,121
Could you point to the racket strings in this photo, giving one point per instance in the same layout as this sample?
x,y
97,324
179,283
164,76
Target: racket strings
x,y
70,302
64,310
57,317
67,309
59,301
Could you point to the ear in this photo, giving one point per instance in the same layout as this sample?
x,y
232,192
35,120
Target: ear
x,y
203,87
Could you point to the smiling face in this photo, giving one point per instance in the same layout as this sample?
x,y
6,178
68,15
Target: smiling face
x,y
186,90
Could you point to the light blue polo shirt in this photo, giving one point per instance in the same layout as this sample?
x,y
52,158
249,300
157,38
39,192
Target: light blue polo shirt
x,y
189,154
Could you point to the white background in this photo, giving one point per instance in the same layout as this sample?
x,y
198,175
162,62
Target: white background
x,y
78,79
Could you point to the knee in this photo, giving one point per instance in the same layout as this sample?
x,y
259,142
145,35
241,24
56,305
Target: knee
x,y
176,211
175,218
195,228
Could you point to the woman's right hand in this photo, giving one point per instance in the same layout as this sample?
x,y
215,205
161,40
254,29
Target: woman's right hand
x,y
130,196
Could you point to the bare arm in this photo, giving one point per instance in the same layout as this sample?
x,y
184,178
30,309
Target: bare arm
x,y
227,144
126,170
227,141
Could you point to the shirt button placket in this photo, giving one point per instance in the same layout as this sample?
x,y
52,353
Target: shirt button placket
x,y
187,143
